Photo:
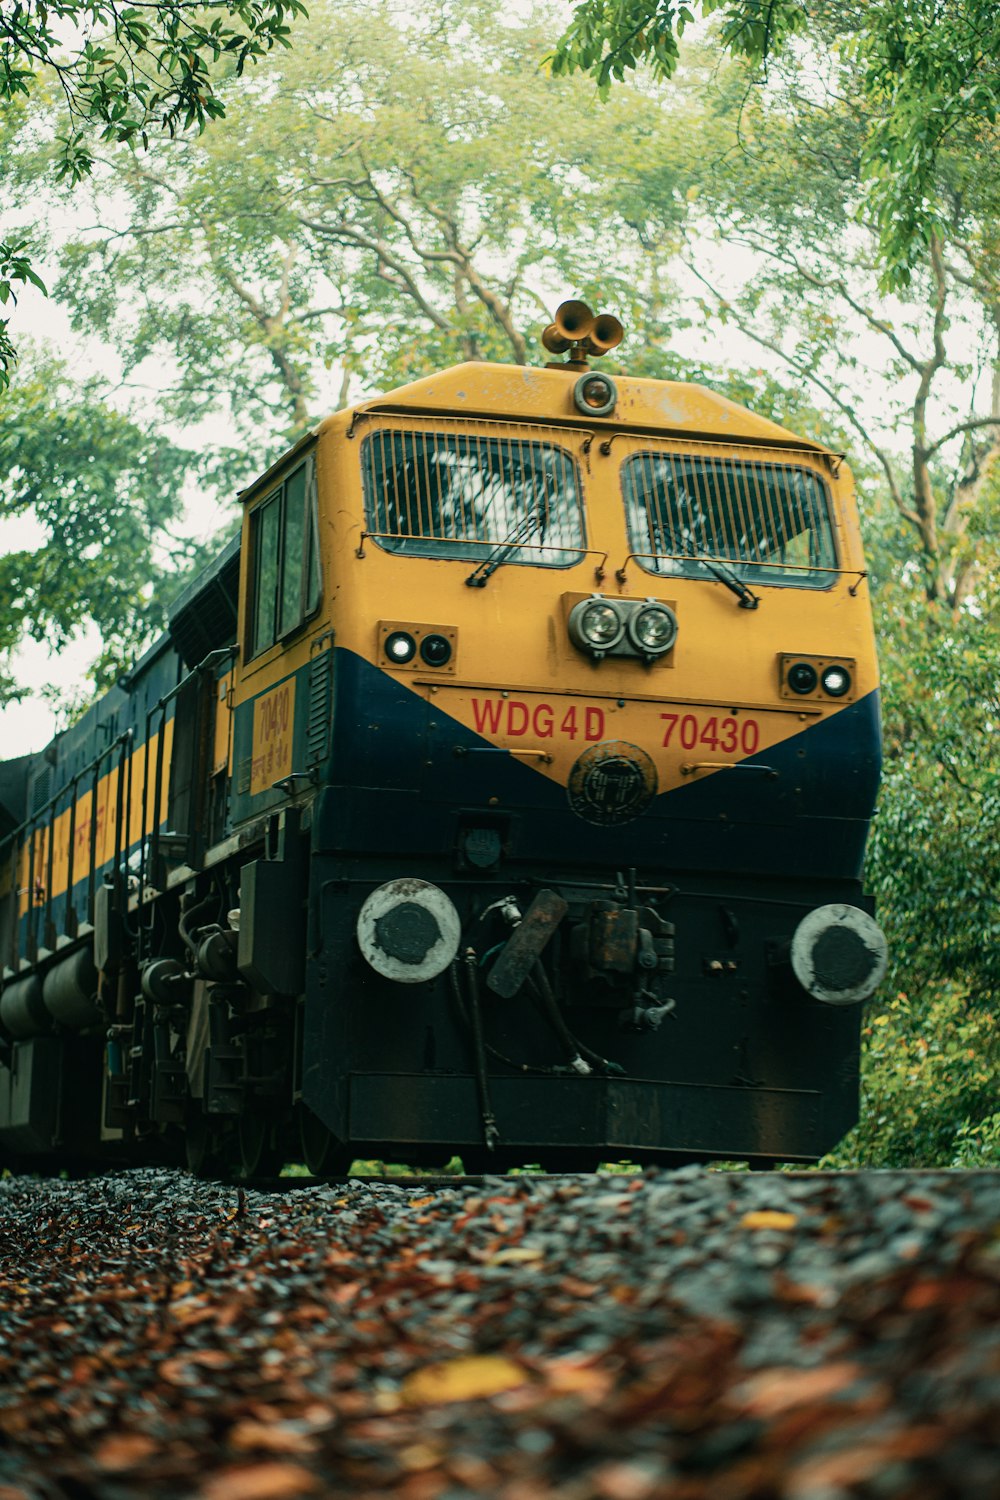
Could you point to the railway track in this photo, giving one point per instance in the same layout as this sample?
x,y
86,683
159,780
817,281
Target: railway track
x,y
415,1181
294,1184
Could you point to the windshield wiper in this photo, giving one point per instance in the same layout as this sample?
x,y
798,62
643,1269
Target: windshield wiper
x,y
483,572
725,574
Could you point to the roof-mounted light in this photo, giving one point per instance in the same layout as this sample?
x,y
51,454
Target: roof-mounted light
x,y
595,395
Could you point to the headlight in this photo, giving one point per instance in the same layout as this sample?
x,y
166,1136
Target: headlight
x,y
595,625
653,629
836,681
600,625
400,647
801,677
595,395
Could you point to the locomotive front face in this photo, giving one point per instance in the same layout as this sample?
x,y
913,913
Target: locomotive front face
x,y
605,733
504,791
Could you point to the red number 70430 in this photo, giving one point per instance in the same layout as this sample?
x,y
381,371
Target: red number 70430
x,y
727,735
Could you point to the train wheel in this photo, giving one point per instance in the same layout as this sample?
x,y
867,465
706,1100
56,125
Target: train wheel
x,y
258,1151
322,1153
202,1144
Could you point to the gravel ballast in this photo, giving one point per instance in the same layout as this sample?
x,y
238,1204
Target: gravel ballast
x,y
684,1335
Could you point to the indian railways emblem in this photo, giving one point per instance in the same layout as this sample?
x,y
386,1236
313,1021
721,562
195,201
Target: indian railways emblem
x,y
612,783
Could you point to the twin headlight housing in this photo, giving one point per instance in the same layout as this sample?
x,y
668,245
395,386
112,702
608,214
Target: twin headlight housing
x,y
622,627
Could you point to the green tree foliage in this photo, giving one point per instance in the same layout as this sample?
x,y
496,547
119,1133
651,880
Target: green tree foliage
x,y
123,70
15,270
927,70
932,1036
935,856
928,1094
395,194
102,493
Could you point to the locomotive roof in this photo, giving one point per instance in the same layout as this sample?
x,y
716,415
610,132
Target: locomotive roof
x,y
528,393
203,615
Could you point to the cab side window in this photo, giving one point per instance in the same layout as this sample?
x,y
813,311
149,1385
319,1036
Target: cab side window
x,y
285,568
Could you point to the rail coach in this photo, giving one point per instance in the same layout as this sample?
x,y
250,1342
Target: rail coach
x,y
501,790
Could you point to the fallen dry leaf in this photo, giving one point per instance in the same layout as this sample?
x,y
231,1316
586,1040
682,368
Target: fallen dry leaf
x,y
768,1218
778,1390
569,1375
515,1255
466,1379
260,1482
122,1450
269,1437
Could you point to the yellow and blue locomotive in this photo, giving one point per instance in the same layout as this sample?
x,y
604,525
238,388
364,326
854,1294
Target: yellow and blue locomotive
x,y
501,791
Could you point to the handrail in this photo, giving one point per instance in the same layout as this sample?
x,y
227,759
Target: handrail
x,y
44,817
409,536
734,562
211,660
609,431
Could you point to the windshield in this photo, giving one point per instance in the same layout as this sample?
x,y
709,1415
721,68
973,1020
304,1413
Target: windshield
x,y
462,495
768,521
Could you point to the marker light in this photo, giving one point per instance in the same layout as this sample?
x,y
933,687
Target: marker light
x,y
836,681
801,677
653,629
435,650
400,647
595,395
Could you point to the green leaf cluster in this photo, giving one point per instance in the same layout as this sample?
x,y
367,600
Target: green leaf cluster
x,y
932,1036
927,72
380,201
610,38
931,72
122,70
134,66
929,1083
15,267
934,861
102,491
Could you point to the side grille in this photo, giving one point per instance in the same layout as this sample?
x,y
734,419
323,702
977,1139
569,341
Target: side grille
x,y
320,704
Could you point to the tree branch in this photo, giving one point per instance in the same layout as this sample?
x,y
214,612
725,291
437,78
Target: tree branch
x,y
828,390
972,426
835,284
923,488
345,233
